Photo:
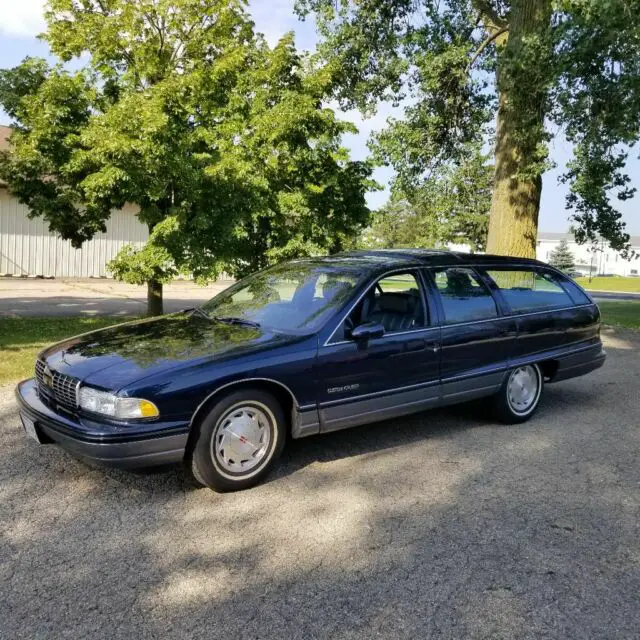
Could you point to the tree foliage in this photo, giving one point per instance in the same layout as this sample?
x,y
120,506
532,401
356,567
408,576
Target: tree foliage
x,y
562,258
536,67
450,207
222,142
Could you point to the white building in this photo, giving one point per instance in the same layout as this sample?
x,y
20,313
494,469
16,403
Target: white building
x,y
598,259
28,248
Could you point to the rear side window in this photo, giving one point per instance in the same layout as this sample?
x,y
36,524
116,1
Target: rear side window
x,y
529,290
464,297
576,293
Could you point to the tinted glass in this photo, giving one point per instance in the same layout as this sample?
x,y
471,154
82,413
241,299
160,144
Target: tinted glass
x,y
529,290
577,294
399,283
393,301
295,297
464,297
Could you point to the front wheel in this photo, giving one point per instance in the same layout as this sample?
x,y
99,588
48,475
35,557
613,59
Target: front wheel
x,y
519,395
239,441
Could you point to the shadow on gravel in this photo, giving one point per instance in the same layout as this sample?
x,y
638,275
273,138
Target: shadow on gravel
x,y
380,436
442,525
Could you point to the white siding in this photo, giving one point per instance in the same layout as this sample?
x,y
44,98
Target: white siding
x,y
28,248
599,259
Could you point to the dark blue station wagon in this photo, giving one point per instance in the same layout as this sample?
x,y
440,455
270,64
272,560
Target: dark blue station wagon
x,y
311,346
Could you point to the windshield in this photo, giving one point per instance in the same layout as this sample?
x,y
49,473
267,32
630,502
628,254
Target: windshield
x,y
296,297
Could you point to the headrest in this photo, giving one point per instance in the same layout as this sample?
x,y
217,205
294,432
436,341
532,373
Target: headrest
x,y
396,302
458,281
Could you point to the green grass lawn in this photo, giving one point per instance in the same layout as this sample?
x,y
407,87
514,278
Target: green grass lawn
x,y
625,313
615,283
22,338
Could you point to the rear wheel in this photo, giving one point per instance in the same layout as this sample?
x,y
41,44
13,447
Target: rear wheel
x,y
239,441
519,395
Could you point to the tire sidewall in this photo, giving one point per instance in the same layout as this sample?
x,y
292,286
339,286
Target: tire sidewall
x,y
503,407
205,465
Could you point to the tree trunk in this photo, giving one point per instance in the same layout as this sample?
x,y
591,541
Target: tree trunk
x,y
515,204
154,298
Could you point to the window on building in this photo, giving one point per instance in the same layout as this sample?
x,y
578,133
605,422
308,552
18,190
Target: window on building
x,y
529,290
464,297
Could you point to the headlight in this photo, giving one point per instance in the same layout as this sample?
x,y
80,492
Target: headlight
x,y
114,406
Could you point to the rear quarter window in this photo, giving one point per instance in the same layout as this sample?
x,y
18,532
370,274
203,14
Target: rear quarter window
x,y
576,293
530,290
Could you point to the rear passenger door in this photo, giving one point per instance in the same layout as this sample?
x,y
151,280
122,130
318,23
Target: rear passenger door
x,y
476,341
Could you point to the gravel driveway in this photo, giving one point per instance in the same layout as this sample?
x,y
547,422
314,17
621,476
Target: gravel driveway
x,y
443,525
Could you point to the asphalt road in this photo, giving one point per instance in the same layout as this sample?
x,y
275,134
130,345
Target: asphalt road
x,y
94,296
442,525
614,295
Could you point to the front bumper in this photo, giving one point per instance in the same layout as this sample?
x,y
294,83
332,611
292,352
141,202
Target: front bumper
x,y
144,445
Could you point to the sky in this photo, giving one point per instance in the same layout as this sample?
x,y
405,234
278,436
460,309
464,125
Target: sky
x,y
21,21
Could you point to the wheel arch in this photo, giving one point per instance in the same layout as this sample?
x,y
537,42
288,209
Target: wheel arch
x,y
280,391
549,369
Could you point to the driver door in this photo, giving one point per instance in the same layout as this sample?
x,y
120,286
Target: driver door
x,y
380,378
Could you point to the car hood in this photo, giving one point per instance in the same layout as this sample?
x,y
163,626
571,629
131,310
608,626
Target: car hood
x,y
114,357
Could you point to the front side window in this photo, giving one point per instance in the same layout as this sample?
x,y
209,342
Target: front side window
x,y
529,290
394,301
464,297
296,297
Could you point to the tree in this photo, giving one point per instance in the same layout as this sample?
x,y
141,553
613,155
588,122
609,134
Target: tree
x,y
532,66
562,258
221,142
450,207
393,226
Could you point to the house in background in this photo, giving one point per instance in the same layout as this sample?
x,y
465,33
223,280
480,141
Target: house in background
x,y
597,259
28,248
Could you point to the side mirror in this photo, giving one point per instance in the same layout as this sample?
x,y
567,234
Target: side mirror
x,y
367,331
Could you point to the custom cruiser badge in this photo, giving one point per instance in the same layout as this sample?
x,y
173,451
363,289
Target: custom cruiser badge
x,y
345,389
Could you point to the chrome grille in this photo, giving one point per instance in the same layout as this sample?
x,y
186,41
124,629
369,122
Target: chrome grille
x,y
61,388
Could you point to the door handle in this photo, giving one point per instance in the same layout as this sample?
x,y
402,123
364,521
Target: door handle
x,y
415,345
422,345
433,346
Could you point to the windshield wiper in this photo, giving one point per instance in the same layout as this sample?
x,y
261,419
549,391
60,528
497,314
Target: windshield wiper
x,y
199,311
240,321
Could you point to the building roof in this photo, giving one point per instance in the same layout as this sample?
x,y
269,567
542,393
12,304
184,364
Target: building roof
x,y
551,236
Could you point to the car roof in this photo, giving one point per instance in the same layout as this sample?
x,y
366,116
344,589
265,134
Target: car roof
x,y
428,257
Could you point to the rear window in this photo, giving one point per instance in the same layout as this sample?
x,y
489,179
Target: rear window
x,y
529,290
